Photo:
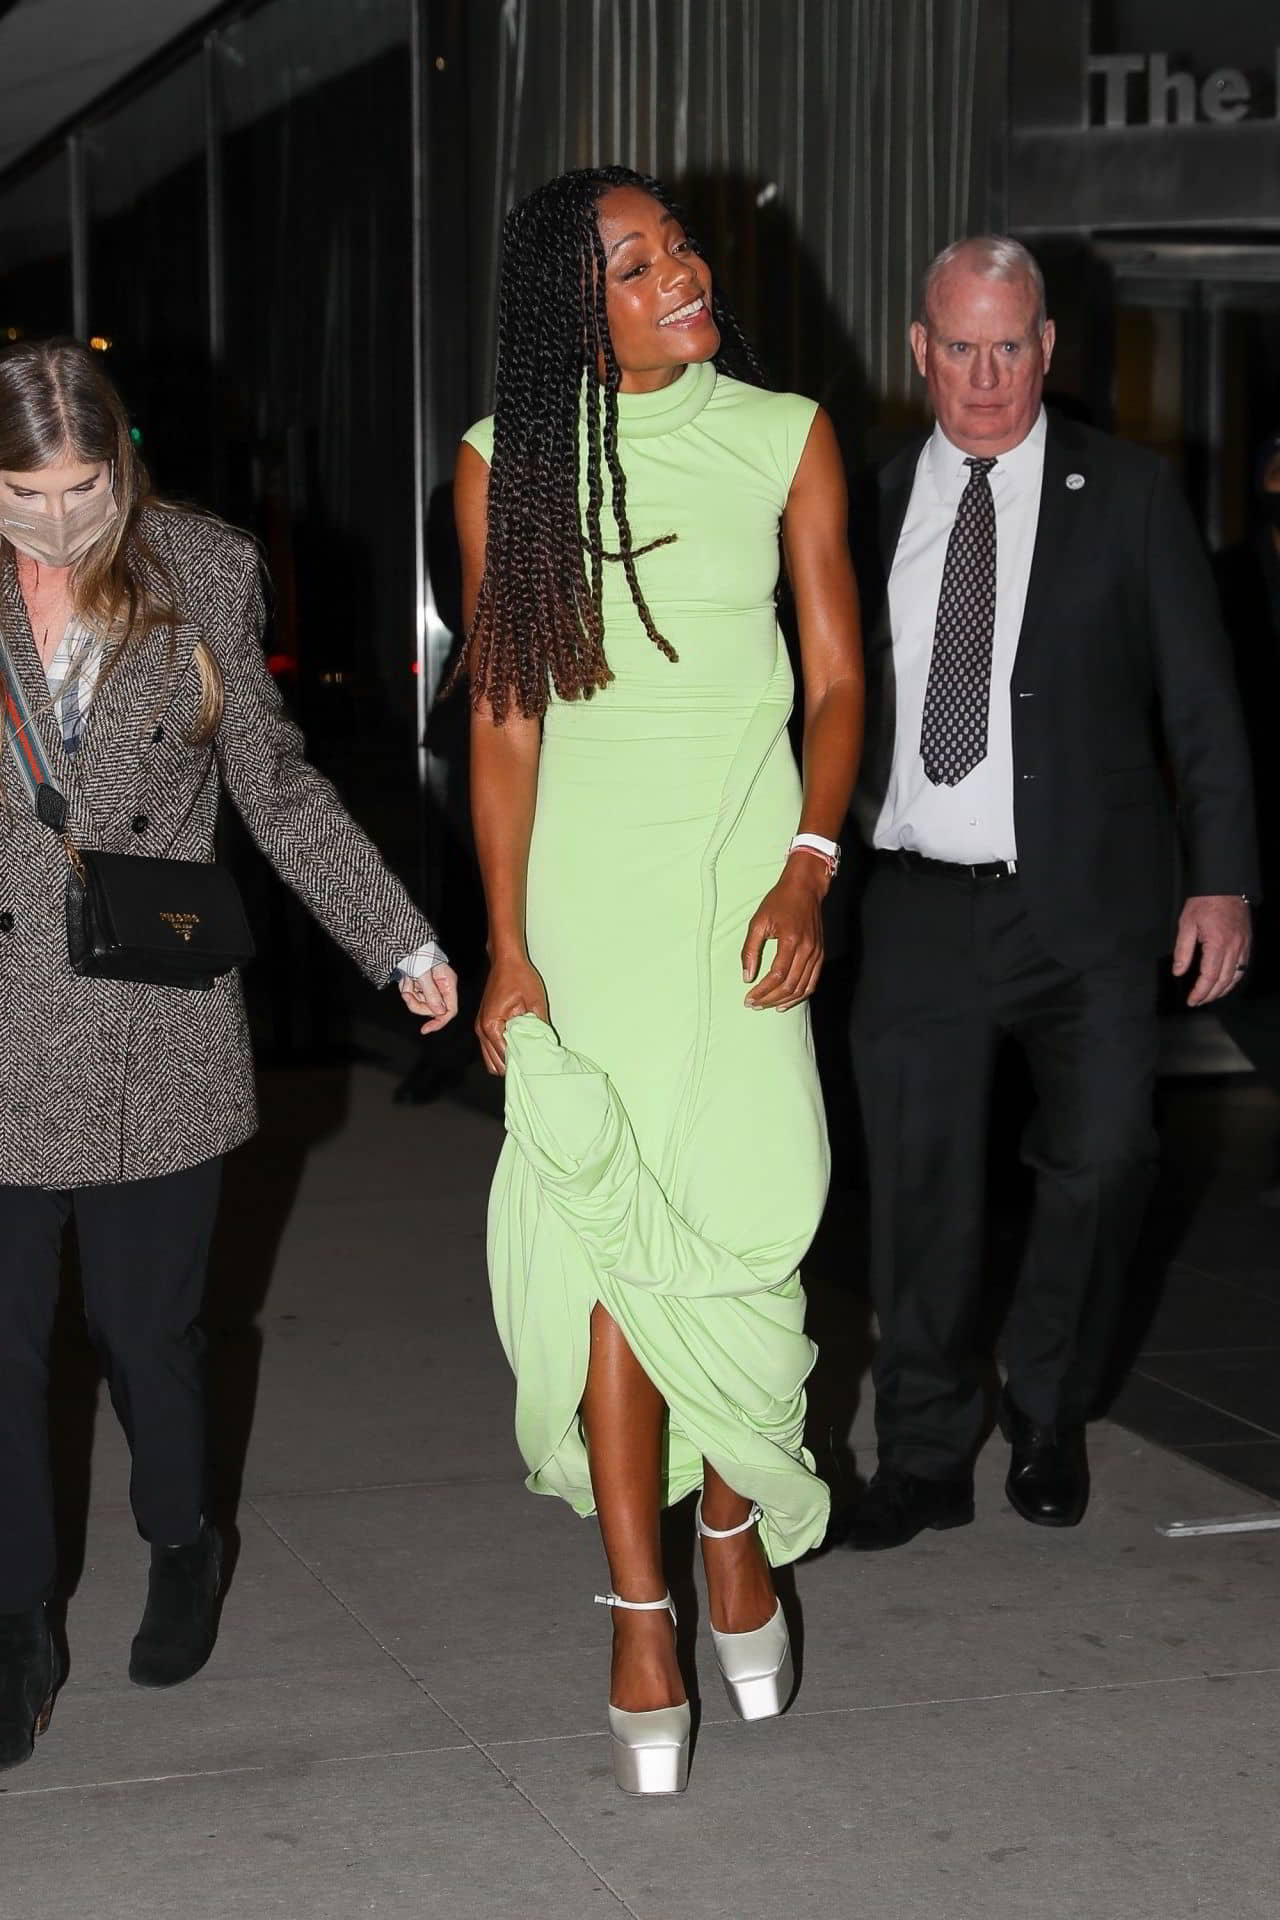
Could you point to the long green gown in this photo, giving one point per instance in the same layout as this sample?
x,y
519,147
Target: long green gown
x,y
666,1151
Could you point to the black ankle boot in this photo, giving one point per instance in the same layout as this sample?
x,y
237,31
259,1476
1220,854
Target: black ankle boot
x,y
180,1623
30,1674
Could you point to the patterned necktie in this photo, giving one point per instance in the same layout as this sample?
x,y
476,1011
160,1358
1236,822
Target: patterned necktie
x,y
953,731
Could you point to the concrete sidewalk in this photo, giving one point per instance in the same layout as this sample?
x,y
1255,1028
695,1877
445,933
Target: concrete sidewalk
x,y
405,1711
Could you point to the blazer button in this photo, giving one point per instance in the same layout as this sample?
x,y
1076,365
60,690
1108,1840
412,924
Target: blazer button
x,y
157,736
6,923
140,822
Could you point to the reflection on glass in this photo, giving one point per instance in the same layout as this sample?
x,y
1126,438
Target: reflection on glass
x,y
148,274
35,253
319,402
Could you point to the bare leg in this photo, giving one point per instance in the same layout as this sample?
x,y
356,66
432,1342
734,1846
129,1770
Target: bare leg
x,y
739,1585
622,1412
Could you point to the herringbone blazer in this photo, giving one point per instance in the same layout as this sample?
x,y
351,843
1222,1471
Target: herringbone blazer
x,y
103,1080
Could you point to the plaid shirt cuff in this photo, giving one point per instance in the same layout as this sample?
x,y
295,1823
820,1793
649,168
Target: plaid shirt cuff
x,y
414,965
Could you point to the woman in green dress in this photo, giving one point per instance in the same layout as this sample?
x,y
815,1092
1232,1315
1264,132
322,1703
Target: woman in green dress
x,y
655,924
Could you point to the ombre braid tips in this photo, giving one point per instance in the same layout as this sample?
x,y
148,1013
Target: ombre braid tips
x,y
539,621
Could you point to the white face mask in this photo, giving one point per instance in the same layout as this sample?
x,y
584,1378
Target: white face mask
x,y
59,543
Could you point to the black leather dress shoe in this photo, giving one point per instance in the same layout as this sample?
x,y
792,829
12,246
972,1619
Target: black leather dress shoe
x,y
30,1674
180,1623
897,1506
1048,1481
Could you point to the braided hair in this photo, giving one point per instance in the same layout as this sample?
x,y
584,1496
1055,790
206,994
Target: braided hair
x,y
539,619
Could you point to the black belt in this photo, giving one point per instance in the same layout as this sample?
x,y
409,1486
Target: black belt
x,y
947,869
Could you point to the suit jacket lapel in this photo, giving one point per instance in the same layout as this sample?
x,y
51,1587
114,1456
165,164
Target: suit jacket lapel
x,y
895,496
1064,501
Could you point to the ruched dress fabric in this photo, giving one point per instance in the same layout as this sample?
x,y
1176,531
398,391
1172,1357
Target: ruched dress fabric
x,y
666,1150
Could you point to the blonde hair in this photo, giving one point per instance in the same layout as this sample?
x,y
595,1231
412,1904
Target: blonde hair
x,y
57,404
212,697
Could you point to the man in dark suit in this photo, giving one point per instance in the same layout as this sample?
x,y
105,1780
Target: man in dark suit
x,y
1049,639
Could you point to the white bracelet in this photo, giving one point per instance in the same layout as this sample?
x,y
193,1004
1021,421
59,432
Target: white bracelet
x,y
826,850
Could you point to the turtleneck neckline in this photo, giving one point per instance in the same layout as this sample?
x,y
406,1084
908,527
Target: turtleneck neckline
x,y
642,415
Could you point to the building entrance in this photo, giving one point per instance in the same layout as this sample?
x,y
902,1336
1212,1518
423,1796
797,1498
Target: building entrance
x,y
1196,367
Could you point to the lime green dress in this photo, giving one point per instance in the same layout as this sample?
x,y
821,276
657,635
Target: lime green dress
x,y
666,1151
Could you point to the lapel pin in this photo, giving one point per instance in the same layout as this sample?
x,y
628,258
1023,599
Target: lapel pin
x,y
1075,481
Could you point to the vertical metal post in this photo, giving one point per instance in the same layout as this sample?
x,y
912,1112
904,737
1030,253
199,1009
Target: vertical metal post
x,y
215,223
214,54
1215,372
418,244
79,211
432,637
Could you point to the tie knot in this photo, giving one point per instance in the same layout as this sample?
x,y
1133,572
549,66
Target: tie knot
x,y
980,465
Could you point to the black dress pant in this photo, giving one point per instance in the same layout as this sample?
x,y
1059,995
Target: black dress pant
x,y
950,967
144,1247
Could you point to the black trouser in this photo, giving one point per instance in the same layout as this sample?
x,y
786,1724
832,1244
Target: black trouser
x,y
950,967
144,1247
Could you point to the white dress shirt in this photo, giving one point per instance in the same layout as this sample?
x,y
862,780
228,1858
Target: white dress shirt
x,y
972,821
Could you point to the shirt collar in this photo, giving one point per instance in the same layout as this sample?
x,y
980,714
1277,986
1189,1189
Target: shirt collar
x,y
950,475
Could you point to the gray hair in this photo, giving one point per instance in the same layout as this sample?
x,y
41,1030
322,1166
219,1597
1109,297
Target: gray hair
x,y
992,256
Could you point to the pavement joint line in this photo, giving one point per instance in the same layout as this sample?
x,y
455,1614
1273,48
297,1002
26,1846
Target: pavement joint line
x,y
1231,1279
130,1780
377,1486
470,1744
1198,1400
475,1745
911,1706
322,1493
1036,1693
1196,1353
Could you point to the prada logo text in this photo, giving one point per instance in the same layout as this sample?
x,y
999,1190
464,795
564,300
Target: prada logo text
x,y
183,924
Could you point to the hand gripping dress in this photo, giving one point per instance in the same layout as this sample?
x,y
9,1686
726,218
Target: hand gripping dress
x,y
666,1152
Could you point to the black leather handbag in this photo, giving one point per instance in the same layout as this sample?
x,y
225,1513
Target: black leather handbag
x,y
166,923
170,923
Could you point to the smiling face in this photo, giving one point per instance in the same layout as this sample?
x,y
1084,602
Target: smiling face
x,y
657,291
984,358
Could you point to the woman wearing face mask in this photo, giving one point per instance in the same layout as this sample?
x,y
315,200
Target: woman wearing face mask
x,y
654,872
134,681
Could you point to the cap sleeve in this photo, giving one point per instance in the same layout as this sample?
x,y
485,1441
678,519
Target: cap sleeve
x,y
798,416
481,438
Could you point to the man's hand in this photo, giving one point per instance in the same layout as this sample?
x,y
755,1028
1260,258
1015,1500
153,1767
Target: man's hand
x,y
1220,924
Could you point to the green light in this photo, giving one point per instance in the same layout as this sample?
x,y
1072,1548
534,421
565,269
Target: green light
x,y
135,434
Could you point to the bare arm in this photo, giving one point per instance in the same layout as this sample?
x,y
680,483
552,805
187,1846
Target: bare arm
x,y
815,543
504,782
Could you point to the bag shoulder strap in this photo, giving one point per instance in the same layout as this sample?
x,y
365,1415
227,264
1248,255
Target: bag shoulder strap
x,y
26,748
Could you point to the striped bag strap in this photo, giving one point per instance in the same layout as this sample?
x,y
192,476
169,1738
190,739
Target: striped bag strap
x,y
26,749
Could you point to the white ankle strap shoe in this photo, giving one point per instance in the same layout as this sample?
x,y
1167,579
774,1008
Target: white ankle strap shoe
x,y
756,1667
650,1750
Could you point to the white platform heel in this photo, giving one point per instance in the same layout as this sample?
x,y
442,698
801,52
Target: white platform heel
x,y
756,1667
650,1750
